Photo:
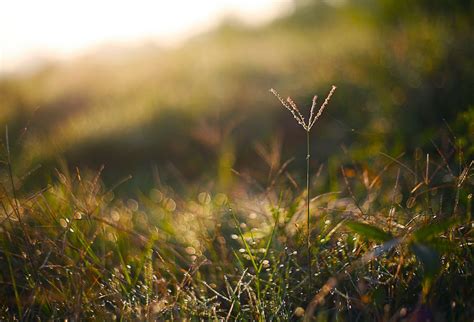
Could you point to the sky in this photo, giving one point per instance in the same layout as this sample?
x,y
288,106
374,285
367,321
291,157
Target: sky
x,y
31,30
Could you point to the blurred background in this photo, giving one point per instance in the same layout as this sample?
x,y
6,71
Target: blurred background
x,y
178,90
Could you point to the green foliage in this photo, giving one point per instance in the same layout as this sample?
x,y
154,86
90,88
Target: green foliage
x,y
427,232
368,231
218,234
75,250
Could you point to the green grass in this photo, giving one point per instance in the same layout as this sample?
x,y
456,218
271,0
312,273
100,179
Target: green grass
x,y
375,225
393,240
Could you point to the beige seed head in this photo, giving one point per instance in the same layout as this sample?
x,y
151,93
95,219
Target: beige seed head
x,y
290,105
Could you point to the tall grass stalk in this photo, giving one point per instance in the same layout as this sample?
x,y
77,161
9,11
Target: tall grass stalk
x,y
290,105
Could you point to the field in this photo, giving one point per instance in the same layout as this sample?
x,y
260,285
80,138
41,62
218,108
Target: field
x,y
149,183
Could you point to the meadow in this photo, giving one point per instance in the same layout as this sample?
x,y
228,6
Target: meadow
x,y
176,184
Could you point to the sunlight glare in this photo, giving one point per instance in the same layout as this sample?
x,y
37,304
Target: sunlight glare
x,y
61,29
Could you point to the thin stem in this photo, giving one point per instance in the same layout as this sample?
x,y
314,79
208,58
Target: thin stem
x,y
16,207
308,157
291,106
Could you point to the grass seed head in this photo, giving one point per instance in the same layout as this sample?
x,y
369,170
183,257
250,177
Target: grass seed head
x,y
290,105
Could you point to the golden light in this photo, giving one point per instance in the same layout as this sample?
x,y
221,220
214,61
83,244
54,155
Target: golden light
x,y
60,29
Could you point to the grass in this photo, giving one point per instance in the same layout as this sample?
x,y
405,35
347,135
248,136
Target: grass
x,y
307,126
392,241
381,231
